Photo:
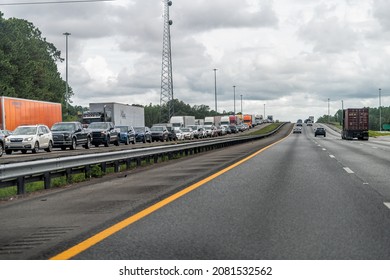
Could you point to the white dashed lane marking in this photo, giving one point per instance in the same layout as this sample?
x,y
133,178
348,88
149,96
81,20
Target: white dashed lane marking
x,y
332,156
348,170
387,204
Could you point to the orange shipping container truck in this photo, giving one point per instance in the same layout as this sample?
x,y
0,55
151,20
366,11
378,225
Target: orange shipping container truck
x,y
17,111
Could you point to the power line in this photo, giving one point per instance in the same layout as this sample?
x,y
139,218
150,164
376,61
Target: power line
x,y
54,2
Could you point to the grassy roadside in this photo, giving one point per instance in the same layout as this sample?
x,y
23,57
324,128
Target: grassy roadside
x,y
266,129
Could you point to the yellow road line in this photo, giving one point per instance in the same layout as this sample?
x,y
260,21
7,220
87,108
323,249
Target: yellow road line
x,y
84,245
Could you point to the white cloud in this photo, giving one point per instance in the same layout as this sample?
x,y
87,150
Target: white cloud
x,y
290,55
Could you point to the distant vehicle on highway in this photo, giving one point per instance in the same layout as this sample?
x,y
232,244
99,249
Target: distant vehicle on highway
x,y
297,129
309,123
320,131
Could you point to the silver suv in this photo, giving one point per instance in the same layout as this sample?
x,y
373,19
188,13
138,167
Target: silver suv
x,y
29,137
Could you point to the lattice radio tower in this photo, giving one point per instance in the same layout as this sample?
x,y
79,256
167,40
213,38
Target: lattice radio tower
x,y
166,97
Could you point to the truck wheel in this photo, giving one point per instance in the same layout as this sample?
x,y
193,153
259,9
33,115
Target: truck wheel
x,y
1,150
116,143
133,141
50,147
74,144
88,144
36,148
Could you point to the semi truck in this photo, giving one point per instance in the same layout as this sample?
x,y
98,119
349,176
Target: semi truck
x,y
117,113
17,111
225,120
249,120
355,124
182,121
234,120
215,120
258,119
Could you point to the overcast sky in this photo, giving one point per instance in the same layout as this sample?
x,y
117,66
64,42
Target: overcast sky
x,y
291,56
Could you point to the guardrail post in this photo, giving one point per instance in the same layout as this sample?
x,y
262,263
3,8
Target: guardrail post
x,y
117,167
47,180
68,175
103,167
20,185
128,163
87,172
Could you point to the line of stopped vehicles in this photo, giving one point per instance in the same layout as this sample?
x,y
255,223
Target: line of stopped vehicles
x,y
97,131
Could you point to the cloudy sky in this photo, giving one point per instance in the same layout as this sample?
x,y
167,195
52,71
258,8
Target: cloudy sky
x,y
291,56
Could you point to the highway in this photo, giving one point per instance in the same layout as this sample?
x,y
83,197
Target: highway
x,y
303,197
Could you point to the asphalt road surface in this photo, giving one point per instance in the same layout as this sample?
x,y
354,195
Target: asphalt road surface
x,y
304,197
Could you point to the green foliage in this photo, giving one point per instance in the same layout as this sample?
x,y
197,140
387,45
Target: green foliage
x,y
28,66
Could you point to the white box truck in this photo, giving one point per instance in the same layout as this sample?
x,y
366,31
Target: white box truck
x,y
182,121
117,113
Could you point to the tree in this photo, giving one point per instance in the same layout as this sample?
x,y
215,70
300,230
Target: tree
x,y
28,66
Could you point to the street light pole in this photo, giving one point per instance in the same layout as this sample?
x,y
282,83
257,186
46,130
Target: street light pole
x,y
328,111
234,96
215,87
241,106
380,111
66,58
264,113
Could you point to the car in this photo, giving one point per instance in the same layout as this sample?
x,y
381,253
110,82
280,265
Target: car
x,y
211,130
178,133
309,123
29,138
233,129
126,134
187,133
104,133
195,131
2,142
320,131
227,128
70,134
5,132
297,129
159,133
202,132
142,134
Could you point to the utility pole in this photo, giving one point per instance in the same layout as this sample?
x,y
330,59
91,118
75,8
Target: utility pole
x,y
66,70
215,87
380,111
166,97
234,98
242,114
328,110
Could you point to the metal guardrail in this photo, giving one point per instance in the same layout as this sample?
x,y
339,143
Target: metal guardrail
x,y
18,174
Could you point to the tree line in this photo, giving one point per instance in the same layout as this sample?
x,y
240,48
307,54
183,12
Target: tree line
x,y
28,66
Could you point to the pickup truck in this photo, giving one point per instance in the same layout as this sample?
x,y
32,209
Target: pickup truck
x,y
70,134
104,133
